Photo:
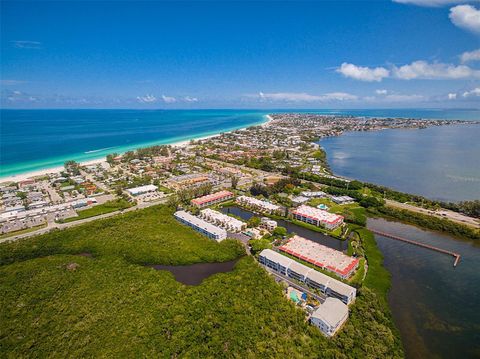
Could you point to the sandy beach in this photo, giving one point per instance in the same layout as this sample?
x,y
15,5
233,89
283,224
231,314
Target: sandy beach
x,y
42,172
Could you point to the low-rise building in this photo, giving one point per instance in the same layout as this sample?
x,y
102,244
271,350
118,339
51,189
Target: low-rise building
x,y
268,224
330,316
298,200
317,217
211,199
342,199
300,272
314,194
258,205
229,223
205,228
142,189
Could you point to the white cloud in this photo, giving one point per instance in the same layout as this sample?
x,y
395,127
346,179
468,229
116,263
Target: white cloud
x,y
466,17
431,3
452,96
190,99
403,98
363,73
381,92
470,56
146,99
305,97
168,99
475,92
425,70
21,44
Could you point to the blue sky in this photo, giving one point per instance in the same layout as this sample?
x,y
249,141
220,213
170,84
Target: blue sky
x,y
403,53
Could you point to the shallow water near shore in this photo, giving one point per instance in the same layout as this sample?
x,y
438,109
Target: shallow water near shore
x,y
435,306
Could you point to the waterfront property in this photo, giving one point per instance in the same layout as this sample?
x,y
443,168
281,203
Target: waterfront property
x,y
317,217
142,189
205,228
330,316
314,279
229,223
212,199
258,205
321,256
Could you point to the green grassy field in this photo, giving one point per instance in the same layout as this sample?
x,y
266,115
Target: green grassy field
x,y
107,207
59,304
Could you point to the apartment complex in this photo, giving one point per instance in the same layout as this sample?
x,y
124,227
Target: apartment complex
x,y
321,256
205,228
229,223
317,217
258,205
292,269
212,199
330,316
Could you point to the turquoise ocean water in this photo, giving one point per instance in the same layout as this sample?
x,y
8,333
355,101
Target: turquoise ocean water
x,y
38,139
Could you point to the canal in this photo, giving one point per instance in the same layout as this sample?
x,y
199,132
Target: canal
x,y
292,228
435,306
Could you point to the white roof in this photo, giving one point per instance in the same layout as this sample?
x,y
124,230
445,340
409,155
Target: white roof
x,y
200,223
276,257
331,312
142,189
342,288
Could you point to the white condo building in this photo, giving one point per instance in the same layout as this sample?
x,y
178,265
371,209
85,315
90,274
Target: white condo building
x,y
258,205
205,228
292,269
317,217
229,223
330,316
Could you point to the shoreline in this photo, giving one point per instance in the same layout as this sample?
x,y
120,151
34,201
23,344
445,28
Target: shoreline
x,y
267,119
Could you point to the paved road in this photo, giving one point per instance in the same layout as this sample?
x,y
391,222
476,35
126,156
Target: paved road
x,y
444,213
53,225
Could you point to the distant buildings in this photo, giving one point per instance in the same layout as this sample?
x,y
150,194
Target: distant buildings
x,y
188,181
321,256
142,189
229,223
258,205
317,194
205,228
330,316
317,217
212,199
319,281
342,199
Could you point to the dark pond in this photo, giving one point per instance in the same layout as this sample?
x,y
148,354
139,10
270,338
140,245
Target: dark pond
x,y
293,228
194,274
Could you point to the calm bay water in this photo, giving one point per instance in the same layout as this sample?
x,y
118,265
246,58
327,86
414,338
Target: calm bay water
x,y
435,306
438,162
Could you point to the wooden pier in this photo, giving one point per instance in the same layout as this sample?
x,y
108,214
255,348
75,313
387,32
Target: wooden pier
x,y
440,250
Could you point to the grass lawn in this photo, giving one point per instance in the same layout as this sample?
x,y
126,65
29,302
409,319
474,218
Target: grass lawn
x,y
107,207
59,304
22,231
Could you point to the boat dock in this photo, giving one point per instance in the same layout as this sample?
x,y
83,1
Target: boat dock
x,y
440,250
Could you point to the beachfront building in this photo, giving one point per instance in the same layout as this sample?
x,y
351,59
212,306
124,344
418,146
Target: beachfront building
x,y
317,217
142,189
342,199
211,199
258,205
205,228
321,256
229,223
314,279
330,316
